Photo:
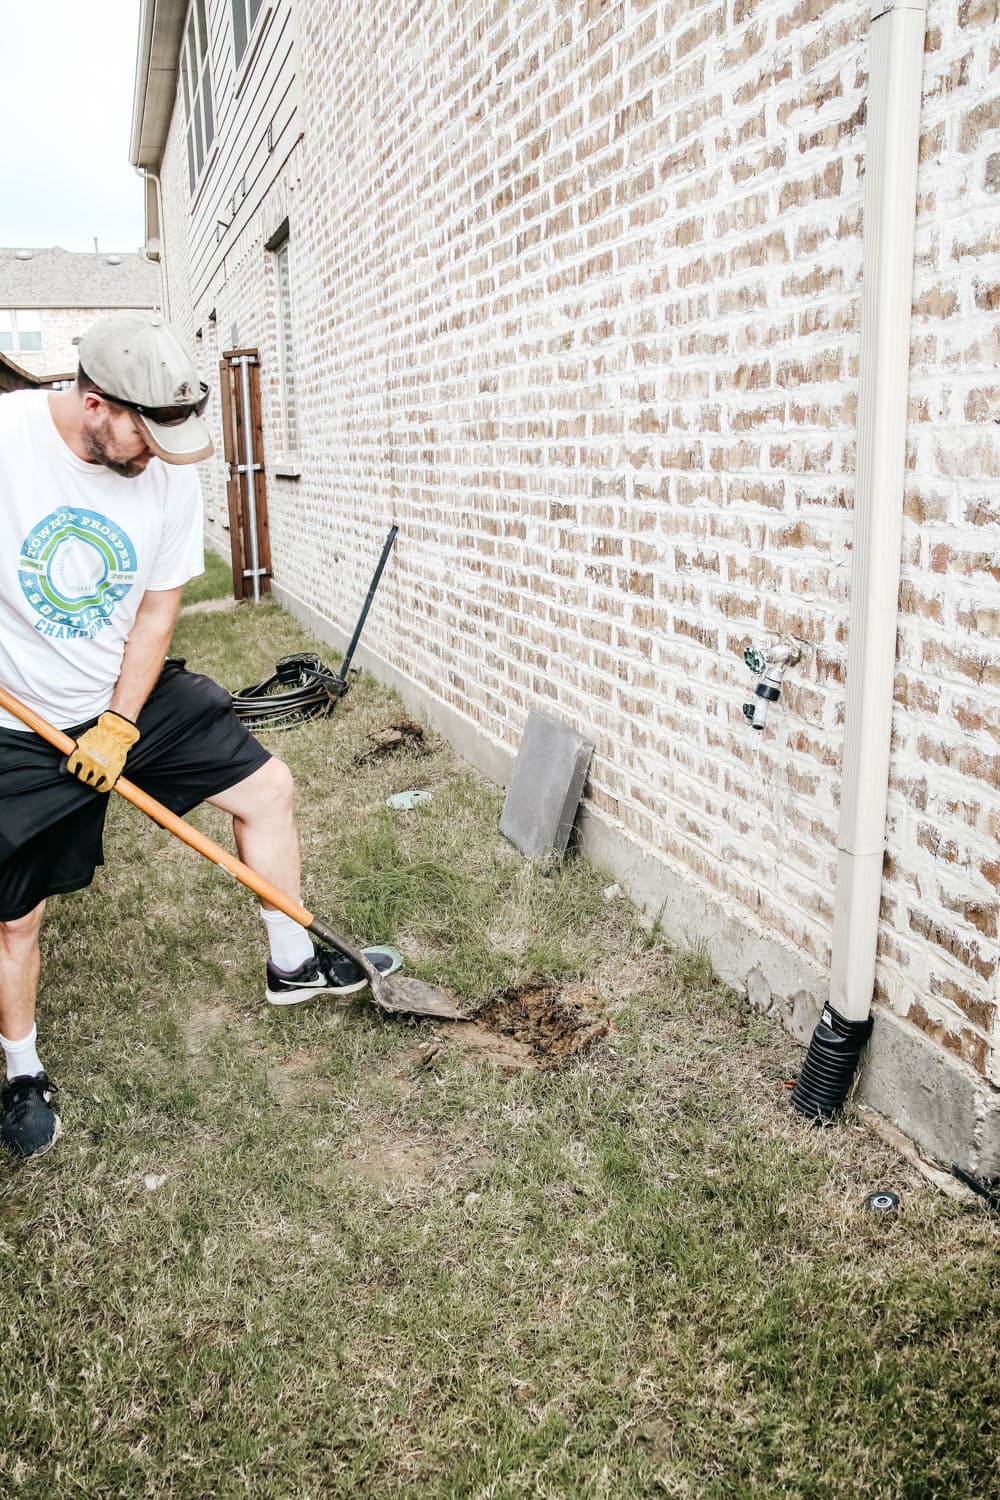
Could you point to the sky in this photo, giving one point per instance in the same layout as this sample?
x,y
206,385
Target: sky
x,y
65,125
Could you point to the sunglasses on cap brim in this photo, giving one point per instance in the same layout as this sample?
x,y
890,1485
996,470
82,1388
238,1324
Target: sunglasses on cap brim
x,y
163,416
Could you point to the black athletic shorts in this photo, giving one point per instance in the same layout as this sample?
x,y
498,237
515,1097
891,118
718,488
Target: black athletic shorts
x,y
192,747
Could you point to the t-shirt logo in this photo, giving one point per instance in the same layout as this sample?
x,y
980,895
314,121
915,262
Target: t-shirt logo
x,y
74,568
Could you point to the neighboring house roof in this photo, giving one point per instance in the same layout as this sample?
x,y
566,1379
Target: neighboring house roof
x,y
71,278
13,378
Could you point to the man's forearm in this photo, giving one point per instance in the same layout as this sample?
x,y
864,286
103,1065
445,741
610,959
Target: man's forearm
x,y
144,653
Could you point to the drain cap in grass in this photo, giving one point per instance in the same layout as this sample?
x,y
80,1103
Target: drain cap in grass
x,y
407,801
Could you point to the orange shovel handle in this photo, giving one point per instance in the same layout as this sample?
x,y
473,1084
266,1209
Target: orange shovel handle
x,y
190,836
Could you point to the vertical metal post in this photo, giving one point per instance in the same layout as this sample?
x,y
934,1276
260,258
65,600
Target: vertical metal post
x,y
248,469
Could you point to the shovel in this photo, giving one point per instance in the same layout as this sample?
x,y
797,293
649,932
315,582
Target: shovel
x,y
396,996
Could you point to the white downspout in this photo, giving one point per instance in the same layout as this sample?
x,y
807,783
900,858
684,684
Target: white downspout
x,y
894,93
896,53
155,247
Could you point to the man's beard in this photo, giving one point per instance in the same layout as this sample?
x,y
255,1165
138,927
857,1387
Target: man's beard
x,y
95,444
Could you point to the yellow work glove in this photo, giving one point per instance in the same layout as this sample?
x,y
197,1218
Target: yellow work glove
x,y
99,755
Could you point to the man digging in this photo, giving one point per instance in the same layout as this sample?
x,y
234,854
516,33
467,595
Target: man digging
x,y
103,515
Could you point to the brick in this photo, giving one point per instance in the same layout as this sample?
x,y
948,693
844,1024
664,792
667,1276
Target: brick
x,y
936,302
979,1011
805,12
987,244
964,1044
752,42
914,692
709,25
978,914
954,77
693,117
985,117
987,295
832,39
977,13
771,249
822,368
627,119
760,164
824,184
966,953
833,135
811,97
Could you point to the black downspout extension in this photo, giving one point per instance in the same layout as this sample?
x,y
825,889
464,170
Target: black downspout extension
x,y
830,1064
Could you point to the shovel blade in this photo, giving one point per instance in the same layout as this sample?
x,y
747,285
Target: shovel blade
x,y
402,996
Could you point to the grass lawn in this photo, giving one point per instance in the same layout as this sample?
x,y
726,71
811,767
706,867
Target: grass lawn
x,y
304,1254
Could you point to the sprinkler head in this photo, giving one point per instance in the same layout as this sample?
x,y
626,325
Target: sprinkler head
x,y
882,1202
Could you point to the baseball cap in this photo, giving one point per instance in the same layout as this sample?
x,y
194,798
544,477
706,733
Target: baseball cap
x,y
137,360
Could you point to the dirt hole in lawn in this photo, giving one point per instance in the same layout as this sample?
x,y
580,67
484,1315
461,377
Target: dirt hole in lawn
x,y
532,1025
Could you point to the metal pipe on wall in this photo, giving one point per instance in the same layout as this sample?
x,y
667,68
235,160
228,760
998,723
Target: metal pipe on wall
x,y
248,467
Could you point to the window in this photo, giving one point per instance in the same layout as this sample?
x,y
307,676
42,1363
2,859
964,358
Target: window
x,y
245,13
286,362
20,332
196,84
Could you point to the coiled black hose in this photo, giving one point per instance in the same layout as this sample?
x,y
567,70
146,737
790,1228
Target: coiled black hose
x,y
301,688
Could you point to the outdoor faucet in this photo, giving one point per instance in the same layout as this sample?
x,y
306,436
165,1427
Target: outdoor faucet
x,y
769,668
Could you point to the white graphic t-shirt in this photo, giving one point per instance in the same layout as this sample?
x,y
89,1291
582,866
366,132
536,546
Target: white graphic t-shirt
x,y
79,546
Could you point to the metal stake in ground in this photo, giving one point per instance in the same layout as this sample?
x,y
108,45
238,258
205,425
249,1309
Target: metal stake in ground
x,y
394,996
376,578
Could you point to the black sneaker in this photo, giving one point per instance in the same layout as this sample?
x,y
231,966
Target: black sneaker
x,y
327,973
30,1125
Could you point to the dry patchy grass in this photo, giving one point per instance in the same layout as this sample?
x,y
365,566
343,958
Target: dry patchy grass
x,y
291,1254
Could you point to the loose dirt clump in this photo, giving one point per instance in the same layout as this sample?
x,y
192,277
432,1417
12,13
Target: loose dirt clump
x,y
400,734
533,1025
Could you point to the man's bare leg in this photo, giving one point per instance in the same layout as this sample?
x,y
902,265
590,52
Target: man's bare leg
x,y
263,811
20,965
262,807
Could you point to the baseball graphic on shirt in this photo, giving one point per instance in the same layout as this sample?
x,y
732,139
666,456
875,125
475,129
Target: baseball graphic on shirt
x,y
74,568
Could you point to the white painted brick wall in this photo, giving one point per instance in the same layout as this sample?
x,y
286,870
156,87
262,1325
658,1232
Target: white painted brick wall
x,y
577,288
939,938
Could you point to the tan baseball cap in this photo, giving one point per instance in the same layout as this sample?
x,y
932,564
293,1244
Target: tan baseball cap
x,y
137,361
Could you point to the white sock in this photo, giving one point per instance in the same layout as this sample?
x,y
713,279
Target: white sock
x,y
21,1056
289,942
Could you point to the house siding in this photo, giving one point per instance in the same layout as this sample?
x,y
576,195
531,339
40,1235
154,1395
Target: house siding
x,y
256,128
576,304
